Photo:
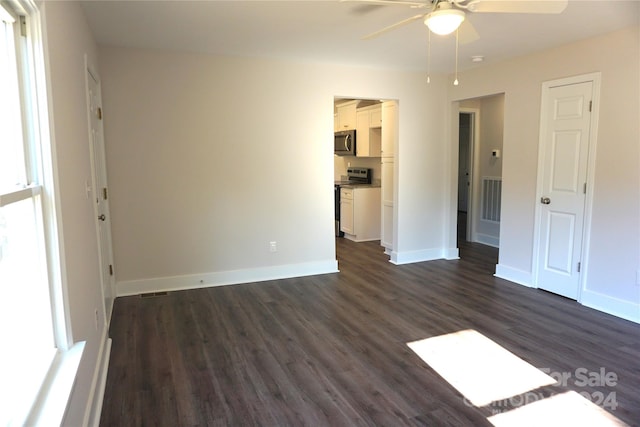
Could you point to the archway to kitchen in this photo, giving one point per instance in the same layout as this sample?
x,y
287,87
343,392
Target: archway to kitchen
x,y
479,174
365,140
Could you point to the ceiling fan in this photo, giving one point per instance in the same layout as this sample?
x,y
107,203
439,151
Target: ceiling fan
x,y
446,16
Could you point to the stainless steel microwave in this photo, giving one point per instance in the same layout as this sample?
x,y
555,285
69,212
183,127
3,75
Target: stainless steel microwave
x,y
344,143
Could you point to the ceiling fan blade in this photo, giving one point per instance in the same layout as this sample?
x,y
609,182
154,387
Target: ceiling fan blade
x,y
467,33
393,27
413,4
517,6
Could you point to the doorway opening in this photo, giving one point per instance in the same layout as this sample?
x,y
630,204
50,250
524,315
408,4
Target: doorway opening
x,y
479,175
365,212
466,137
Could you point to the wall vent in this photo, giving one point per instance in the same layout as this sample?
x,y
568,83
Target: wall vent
x,y
491,196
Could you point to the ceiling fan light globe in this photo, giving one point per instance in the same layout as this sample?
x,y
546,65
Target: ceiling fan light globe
x,y
443,22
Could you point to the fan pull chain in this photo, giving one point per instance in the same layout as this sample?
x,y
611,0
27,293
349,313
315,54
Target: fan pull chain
x,y
455,82
429,58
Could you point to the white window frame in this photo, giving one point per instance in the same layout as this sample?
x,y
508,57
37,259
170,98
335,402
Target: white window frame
x,y
52,399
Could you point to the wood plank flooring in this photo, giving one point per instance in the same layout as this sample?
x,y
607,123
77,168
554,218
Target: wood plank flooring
x,y
331,350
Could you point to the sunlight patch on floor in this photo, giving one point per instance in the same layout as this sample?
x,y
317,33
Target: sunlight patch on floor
x,y
477,367
565,409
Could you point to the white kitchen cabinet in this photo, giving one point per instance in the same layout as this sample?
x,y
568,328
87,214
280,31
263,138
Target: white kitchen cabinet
x,y
386,222
389,141
346,210
360,213
345,118
375,120
389,128
368,132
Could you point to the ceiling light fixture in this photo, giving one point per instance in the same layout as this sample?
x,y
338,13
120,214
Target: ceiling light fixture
x,y
444,20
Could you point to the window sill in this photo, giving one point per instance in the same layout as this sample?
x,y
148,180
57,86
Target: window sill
x,y
52,401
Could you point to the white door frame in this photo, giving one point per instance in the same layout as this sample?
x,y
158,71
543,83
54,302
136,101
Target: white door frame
x,y
595,78
103,246
472,204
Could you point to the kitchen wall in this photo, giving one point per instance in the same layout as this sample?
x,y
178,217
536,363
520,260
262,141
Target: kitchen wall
x,y
341,163
67,40
613,257
211,158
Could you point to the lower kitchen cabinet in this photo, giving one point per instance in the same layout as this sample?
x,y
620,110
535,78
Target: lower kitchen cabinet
x,y
386,238
360,213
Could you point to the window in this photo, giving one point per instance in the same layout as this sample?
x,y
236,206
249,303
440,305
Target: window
x,y
32,326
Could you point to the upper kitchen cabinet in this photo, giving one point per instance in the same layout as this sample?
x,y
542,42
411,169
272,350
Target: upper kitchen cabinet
x,y
368,131
389,128
375,119
345,116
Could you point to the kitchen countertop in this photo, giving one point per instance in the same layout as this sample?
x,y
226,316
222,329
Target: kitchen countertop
x,y
354,185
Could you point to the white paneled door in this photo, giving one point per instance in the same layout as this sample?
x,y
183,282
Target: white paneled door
x,y
565,136
100,193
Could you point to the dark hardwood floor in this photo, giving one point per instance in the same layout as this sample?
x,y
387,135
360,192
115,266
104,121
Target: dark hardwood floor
x,y
331,350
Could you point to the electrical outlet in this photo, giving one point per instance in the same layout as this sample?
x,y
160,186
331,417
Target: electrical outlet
x,y
273,247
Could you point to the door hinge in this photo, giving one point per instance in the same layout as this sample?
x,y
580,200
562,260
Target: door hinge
x,y
579,265
23,26
584,188
99,113
104,193
590,105
110,270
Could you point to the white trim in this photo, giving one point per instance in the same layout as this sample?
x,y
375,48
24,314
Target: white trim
x,y
354,238
103,246
514,275
595,79
93,410
51,405
614,306
409,257
488,240
6,15
222,278
19,195
452,253
473,209
50,180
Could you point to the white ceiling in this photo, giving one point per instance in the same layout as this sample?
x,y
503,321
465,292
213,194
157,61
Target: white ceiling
x,y
331,31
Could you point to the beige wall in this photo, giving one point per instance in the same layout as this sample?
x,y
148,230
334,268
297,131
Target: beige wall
x,y
614,252
68,40
211,158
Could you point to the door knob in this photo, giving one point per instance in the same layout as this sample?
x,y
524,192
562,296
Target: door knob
x,y
102,217
545,200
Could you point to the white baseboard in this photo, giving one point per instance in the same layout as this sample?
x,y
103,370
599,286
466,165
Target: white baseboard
x,y
515,275
221,278
452,253
627,310
357,239
621,308
409,257
96,395
488,240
